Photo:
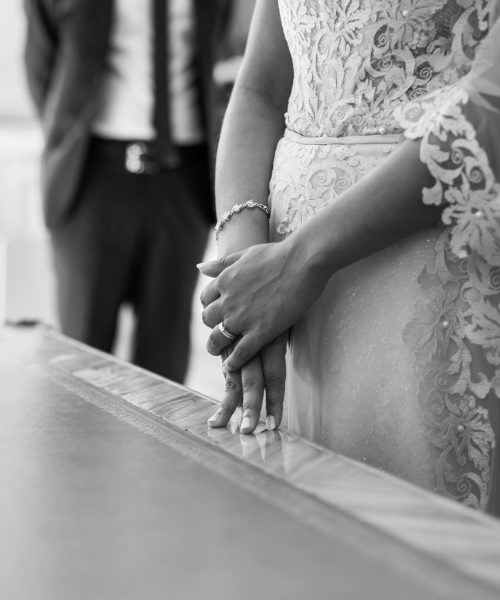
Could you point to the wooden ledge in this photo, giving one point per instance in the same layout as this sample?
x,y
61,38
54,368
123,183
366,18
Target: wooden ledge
x,y
455,549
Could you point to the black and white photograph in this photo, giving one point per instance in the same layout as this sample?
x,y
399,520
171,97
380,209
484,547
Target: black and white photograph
x,y
250,300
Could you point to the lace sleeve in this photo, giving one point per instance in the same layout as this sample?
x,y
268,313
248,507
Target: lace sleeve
x,y
460,143
458,128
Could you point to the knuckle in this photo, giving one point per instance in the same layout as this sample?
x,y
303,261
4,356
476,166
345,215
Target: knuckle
x,y
231,385
274,381
251,383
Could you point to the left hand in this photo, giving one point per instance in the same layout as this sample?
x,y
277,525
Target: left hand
x,y
258,294
263,375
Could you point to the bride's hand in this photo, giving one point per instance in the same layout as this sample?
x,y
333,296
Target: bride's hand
x,y
265,372
257,294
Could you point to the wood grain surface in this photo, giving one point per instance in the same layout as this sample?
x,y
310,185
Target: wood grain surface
x,y
113,486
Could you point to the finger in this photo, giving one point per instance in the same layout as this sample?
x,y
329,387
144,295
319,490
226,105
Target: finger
x,y
274,367
217,341
245,349
209,294
226,352
212,315
252,383
232,396
213,268
232,399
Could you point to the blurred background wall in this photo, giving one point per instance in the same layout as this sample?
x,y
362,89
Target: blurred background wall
x,y
26,276
25,271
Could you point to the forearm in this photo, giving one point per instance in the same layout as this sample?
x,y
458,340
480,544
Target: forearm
x,y
253,125
383,208
251,130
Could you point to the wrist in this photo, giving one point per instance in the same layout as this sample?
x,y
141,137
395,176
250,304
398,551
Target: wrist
x,y
246,229
309,250
236,209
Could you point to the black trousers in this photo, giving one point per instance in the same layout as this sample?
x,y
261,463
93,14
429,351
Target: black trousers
x,y
134,238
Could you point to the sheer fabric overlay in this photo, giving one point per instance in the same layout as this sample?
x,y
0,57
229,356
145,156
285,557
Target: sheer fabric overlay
x,y
398,363
469,263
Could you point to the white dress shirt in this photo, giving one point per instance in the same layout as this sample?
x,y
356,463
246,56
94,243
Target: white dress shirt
x,y
126,99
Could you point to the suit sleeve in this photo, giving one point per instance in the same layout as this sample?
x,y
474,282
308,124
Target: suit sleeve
x,y
40,51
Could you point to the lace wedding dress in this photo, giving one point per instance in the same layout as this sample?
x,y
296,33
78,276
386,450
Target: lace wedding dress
x,y
398,363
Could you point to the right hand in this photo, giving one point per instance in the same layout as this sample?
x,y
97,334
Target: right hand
x,y
264,373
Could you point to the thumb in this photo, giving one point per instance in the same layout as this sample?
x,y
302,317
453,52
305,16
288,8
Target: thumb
x,y
215,267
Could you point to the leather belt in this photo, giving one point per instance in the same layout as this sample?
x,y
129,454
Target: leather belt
x,y
137,157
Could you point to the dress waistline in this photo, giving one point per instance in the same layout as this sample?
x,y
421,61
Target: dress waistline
x,y
389,138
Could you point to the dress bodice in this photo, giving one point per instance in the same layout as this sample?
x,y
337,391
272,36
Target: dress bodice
x,y
355,61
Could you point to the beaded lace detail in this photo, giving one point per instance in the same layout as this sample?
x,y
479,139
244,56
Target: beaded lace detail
x,y
356,62
460,320
315,175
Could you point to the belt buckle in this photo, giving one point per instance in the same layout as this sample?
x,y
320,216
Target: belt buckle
x,y
135,154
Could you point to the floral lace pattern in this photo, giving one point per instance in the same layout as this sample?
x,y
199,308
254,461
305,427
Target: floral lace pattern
x,y
461,320
356,60
312,176
366,67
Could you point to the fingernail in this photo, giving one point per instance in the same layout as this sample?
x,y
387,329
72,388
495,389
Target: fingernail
x,y
270,423
202,265
245,424
214,417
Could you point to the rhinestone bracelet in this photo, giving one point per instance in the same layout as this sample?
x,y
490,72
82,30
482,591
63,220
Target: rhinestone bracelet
x,y
237,208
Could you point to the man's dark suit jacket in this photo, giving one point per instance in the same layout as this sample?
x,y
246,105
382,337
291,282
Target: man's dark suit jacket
x,y
65,57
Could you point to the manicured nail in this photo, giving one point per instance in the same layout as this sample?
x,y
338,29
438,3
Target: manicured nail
x,y
245,424
270,423
203,265
215,417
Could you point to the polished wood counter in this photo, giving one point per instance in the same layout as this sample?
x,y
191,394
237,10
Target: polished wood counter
x,y
114,487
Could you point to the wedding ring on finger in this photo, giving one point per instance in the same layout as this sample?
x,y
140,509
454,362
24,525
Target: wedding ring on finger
x,y
226,333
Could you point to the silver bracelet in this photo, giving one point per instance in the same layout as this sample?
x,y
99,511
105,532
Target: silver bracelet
x,y
237,208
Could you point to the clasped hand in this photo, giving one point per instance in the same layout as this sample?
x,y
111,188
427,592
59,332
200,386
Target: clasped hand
x,y
257,294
